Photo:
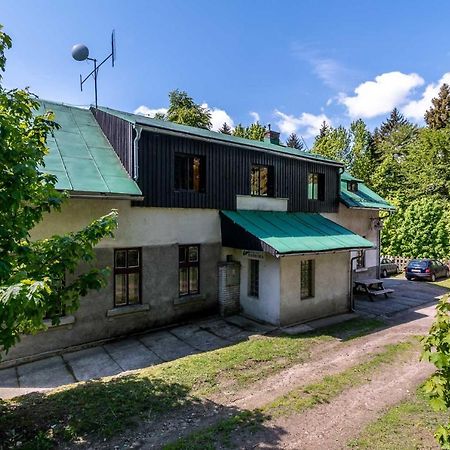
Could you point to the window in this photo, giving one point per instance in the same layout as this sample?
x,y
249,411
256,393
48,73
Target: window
x,y
127,276
352,186
316,186
189,173
361,261
306,279
253,278
189,269
261,181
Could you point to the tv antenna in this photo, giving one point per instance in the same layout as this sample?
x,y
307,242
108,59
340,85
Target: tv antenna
x,y
81,53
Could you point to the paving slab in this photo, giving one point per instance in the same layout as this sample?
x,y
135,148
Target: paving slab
x,y
8,378
91,363
198,338
166,345
131,354
45,373
297,329
220,328
249,325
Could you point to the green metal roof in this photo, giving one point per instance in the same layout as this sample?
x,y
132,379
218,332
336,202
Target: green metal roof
x,y
363,197
285,232
81,157
214,135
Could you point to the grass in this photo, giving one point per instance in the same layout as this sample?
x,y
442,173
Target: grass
x,y
108,406
407,426
103,408
294,402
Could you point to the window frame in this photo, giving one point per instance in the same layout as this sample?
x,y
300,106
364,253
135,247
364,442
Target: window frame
x,y
317,194
270,191
361,260
126,271
253,284
352,186
311,278
187,264
188,161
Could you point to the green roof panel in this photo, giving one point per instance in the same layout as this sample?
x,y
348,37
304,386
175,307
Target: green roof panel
x,y
286,232
214,135
81,157
363,198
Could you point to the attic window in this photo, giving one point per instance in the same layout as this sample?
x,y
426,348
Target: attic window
x,y
352,186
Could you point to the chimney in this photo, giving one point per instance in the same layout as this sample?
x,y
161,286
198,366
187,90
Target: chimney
x,y
272,136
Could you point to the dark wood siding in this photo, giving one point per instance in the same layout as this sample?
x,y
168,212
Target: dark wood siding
x,y
120,135
227,175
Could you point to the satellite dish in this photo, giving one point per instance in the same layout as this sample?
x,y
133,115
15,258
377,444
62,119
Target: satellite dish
x,y
80,52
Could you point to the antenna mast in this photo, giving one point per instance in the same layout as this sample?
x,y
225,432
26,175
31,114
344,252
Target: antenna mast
x,y
81,53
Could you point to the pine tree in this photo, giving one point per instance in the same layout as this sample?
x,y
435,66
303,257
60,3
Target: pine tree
x,y
438,116
294,141
395,120
225,129
324,130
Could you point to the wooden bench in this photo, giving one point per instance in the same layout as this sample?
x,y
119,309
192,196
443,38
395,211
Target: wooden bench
x,y
372,287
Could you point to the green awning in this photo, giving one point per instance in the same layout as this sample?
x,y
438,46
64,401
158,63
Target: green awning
x,y
281,233
363,198
81,157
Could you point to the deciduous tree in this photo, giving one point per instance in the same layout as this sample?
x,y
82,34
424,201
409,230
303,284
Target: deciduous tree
x,y
37,278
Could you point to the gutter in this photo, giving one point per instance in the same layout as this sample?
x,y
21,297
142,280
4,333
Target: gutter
x,y
350,277
138,131
106,196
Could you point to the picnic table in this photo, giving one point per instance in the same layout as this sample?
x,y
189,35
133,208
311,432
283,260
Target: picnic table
x,y
372,287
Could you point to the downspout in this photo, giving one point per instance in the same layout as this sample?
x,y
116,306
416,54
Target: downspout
x,y
138,131
352,300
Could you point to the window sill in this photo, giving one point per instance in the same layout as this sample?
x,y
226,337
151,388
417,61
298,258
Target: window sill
x,y
126,310
189,299
64,321
362,269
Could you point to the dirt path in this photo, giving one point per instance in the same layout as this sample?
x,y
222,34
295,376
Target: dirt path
x,y
331,426
332,359
324,427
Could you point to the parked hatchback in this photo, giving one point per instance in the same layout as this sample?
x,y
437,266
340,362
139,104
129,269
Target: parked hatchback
x,y
429,269
388,267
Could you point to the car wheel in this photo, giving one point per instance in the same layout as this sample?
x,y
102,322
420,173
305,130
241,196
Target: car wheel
x,y
384,274
447,273
433,277
409,278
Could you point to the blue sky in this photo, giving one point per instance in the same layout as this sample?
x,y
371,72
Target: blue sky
x,y
289,63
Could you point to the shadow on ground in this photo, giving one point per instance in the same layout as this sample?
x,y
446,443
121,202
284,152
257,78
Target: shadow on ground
x,y
90,414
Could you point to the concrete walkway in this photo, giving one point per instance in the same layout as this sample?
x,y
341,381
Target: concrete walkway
x,y
127,354
407,295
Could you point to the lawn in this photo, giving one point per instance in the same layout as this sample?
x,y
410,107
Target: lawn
x,y
106,407
229,430
408,426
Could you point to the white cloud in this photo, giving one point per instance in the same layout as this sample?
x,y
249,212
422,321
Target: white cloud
x,y
415,109
218,117
308,125
373,98
255,115
146,111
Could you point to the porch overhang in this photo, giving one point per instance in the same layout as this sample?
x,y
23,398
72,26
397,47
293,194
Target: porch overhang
x,y
282,233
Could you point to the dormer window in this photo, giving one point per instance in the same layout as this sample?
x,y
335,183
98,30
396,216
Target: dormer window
x,y
261,181
352,186
189,173
316,186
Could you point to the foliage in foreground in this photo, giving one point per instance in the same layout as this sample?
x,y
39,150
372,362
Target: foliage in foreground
x,y
37,278
436,349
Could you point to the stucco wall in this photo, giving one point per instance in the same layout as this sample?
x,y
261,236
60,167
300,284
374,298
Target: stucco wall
x,y
158,232
331,288
138,226
267,306
359,221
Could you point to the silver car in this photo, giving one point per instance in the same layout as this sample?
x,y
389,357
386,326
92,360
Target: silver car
x,y
388,267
